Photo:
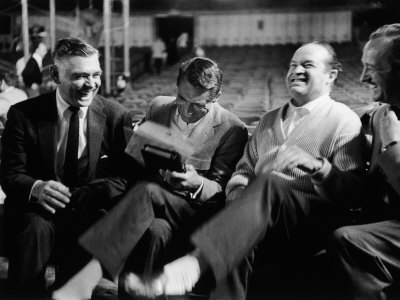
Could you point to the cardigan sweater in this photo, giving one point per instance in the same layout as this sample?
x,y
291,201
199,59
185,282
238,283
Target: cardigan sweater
x,y
331,132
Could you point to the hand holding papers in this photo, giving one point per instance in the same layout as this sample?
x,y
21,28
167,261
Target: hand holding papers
x,y
158,147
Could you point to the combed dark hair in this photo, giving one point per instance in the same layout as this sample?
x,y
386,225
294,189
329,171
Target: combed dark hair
x,y
391,31
202,72
73,47
333,61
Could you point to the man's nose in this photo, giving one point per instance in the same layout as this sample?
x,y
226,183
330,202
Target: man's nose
x,y
90,81
365,76
189,108
298,69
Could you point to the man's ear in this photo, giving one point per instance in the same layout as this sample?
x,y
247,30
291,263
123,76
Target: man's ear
x,y
54,73
333,74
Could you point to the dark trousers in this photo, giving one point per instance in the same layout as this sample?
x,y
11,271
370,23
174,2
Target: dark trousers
x,y
369,258
142,223
158,64
279,217
35,236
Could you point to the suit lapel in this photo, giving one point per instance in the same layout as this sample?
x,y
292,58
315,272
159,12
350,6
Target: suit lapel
x,y
96,123
47,129
164,113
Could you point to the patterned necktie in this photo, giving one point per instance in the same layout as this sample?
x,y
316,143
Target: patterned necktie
x,y
71,151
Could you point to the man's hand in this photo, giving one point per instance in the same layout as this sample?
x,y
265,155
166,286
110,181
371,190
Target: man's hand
x,y
389,128
51,195
188,181
292,157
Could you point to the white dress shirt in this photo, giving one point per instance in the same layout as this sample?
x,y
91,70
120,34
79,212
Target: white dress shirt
x,y
64,115
294,115
177,124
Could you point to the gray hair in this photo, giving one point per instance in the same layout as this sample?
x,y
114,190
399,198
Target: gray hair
x,y
73,47
391,31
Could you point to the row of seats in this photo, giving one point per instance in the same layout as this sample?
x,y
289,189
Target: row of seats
x,y
254,80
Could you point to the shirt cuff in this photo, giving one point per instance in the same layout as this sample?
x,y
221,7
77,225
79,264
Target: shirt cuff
x,y
194,195
33,190
38,59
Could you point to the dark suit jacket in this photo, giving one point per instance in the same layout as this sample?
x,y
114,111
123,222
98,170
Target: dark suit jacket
x,y
31,73
29,147
218,140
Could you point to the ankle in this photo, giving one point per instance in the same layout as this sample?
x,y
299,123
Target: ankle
x,y
203,264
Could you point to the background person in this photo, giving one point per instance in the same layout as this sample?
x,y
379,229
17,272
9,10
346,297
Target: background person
x,y
32,73
9,94
159,54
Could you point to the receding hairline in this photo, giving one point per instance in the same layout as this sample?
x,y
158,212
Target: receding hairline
x,y
328,54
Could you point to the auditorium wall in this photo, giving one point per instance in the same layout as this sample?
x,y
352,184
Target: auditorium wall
x,y
221,29
273,28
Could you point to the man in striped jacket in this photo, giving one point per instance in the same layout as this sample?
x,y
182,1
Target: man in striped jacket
x,y
299,174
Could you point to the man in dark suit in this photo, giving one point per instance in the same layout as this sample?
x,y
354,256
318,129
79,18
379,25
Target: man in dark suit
x,y
140,227
61,167
32,73
369,254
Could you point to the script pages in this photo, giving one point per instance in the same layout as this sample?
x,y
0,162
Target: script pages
x,y
154,134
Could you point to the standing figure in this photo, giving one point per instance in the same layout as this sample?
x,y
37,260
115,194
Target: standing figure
x,y
159,52
32,73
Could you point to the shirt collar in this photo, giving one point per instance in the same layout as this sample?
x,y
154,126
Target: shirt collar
x,y
309,106
62,106
182,123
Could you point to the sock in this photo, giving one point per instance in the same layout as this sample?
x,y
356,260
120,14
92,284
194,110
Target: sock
x,y
81,285
136,286
181,275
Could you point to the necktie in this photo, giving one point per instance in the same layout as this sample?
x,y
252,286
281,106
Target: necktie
x,y
71,151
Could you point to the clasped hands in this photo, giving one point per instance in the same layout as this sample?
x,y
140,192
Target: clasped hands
x,y
188,181
290,157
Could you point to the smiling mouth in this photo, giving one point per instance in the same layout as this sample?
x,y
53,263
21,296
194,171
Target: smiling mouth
x,y
86,93
296,79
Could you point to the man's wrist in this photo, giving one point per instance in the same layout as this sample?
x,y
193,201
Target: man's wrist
x,y
318,166
35,191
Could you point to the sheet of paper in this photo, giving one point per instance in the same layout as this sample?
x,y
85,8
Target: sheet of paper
x,y
151,133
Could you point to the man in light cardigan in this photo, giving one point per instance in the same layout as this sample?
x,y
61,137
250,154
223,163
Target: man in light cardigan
x,y
300,172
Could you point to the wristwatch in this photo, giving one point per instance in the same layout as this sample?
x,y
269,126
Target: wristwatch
x,y
390,145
